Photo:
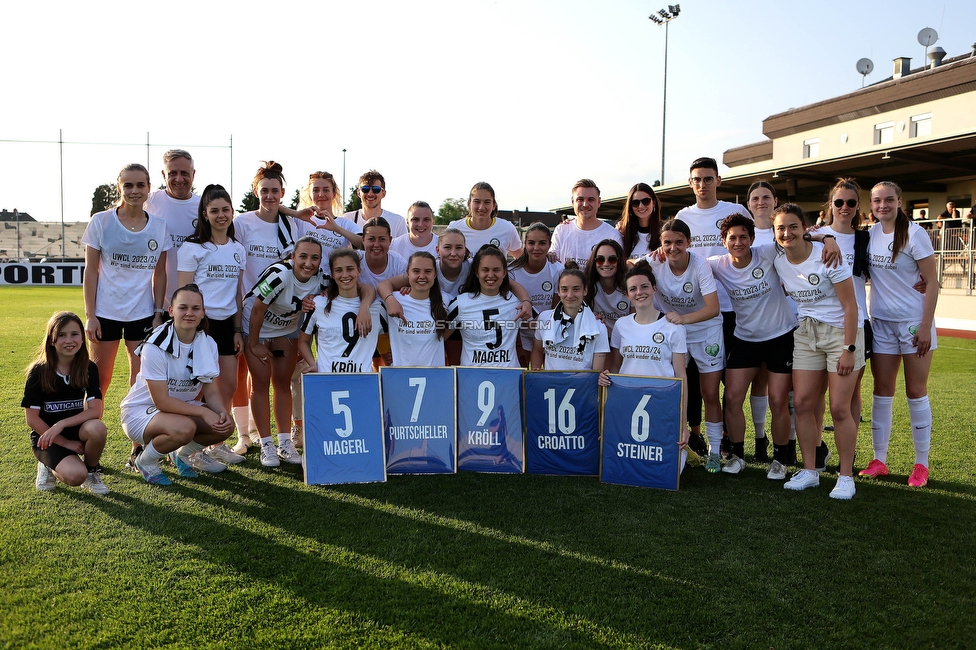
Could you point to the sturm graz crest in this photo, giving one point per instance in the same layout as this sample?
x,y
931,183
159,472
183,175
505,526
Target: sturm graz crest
x,y
718,224
195,221
623,305
658,337
814,279
758,273
153,244
688,287
495,242
237,257
547,286
891,246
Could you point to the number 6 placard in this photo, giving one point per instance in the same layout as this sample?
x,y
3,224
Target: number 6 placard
x,y
418,420
343,429
562,424
489,409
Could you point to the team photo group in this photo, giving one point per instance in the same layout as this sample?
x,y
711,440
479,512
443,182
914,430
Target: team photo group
x,y
221,314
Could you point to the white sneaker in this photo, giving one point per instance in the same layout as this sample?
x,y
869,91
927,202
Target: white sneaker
x,y
222,454
844,489
288,453
777,471
45,481
201,462
805,478
733,465
269,454
94,484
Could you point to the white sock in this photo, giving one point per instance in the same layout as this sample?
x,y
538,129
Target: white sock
x,y
792,418
267,440
190,448
920,415
881,426
150,455
759,406
283,436
713,432
241,418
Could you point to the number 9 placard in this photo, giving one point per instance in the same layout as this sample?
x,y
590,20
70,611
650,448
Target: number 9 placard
x,y
419,422
562,425
489,412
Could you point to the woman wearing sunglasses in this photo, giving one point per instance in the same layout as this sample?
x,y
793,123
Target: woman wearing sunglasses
x,y
640,224
482,225
605,291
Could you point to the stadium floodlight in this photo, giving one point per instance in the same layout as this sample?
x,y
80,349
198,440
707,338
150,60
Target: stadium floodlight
x,y
664,17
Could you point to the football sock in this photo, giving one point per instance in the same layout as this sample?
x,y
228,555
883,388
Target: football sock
x,y
920,415
713,432
150,455
759,406
190,448
282,437
881,426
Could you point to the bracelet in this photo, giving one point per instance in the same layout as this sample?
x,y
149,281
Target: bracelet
x,y
159,311
387,298
526,300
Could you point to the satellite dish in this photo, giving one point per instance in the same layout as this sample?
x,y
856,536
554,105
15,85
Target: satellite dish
x,y
865,66
928,36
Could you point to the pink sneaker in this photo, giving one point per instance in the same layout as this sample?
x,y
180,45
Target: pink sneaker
x,y
874,469
919,477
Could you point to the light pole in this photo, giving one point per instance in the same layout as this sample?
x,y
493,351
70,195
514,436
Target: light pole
x,y
664,17
343,178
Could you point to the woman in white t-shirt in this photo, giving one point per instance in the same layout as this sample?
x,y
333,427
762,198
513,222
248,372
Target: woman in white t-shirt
x,y
482,225
762,200
534,271
161,412
420,232
605,291
417,336
378,264
570,337
125,279
321,195
827,345
904,326
640,224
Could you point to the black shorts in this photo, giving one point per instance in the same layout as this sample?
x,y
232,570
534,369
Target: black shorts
x,y
868,340
222,332
776,353
54,454
115,330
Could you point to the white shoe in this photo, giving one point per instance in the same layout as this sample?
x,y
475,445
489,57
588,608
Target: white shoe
x,y
45,481
94,484
201,462
241,446
288,453
777,471
805,478
734,465
844,489
269,454
222,454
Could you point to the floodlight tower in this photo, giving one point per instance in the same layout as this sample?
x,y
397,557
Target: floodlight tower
x,y
664,17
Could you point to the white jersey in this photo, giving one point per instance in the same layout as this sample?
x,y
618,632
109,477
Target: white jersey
x,y
571,243
262,244
501,233
158,365
611,307
395,265
398,225
283,293
706,235
686,293
764,236
811,284
541,287
568,355
216,270
451,288
128,262
488,329
181,222
893,296
404,248
647,349
339,347
329,239
846,243
414,340
762,311
642,247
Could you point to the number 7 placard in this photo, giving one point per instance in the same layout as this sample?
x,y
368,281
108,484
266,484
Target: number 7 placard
x,y
489,410
419,421
562,423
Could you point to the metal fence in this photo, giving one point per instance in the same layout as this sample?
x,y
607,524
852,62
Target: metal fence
x,y
954,257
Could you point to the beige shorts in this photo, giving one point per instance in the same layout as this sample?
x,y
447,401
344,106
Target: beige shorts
x,y
818,346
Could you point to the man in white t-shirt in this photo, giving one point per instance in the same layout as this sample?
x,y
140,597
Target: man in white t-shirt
x,y
371,190
574,239
177,205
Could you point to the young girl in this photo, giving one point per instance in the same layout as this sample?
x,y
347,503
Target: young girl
x,y
828,344
421,237
640,224
321,195
570,337
605,291
341,346
417,336
904,326
533,270
63,405
125,278
482,225
762,200
161,412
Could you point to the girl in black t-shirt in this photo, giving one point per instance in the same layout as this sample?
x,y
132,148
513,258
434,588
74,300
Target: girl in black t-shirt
x,y
63,404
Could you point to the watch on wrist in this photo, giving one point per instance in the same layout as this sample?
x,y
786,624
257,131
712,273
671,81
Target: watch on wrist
x,y
850,348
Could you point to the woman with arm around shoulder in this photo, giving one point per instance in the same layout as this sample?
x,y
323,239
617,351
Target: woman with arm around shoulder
x,y
570,337
904,327
417,338
538,275
828,343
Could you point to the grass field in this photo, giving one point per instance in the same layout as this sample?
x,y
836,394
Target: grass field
x,y
253,558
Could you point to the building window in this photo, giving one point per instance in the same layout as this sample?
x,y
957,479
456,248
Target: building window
x,y
921,125
884,133
811,148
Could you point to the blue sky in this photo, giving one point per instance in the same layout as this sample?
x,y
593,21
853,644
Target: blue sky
x,y
529,95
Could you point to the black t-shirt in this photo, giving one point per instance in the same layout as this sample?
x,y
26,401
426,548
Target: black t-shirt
x,y
65,401
949,221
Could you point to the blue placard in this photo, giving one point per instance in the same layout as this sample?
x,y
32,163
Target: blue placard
x,y
489,412
418,420
641,431
343,428
562,423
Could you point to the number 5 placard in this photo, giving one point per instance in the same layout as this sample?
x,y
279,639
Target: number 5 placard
x,y
489,410
419,420
562,426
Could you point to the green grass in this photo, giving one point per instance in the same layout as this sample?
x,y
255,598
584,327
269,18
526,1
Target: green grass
x,y
253,558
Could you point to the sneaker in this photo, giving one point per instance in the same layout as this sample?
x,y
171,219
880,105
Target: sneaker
x,y
920,476
805,478
762,450
844,489
692,460
734,465
714,464
151,472
697,444
45,481
94,484
200,461
874,469
288,453
131,463
269,454
182,465
222,454
823,455
298,435
777,471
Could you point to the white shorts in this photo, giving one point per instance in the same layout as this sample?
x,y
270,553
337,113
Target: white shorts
x,y
135,419
895,337
708,349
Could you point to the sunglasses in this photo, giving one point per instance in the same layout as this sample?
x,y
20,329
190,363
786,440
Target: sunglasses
x,y
600,259
366,189
317,175
839,203
645,202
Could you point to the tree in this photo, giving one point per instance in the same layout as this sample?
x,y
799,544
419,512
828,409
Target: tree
x,y
451,210
354,203
105,196
295,200
249,202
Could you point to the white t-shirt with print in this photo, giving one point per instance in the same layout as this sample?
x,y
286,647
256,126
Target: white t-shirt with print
x,y
611,307
706,235
488,329
395,265
762,311
339,346
398,225
571,243
216,270
181,221
162,366
402,247
846,243
541,287
329,239
646,349
413,340
501,233
283,293
685,293
893,296
260,241
451,288
811,285
569,356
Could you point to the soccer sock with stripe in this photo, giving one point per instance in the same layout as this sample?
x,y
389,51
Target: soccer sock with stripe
x,y
920,415
881,426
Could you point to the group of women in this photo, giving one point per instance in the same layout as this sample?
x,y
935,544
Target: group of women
x,y
253,296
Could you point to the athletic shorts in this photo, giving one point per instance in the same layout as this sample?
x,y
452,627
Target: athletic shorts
x,y
818,346
54,454
708,350
222,332
895,337
868,339
776,353
116,330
